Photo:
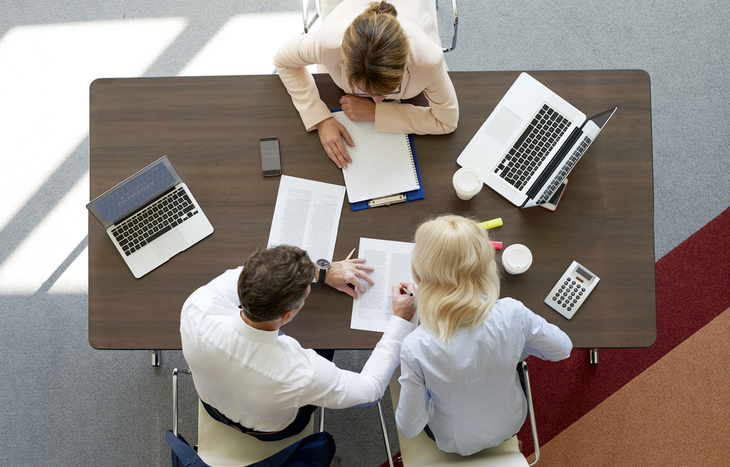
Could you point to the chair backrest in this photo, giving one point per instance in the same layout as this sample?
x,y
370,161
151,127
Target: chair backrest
x,y
324,7
221,445
421,451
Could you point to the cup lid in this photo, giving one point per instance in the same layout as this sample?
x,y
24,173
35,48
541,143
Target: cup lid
x,y
468,179
517,257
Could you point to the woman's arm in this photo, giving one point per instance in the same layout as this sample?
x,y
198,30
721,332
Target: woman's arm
x,y
411,416
542,339
440,117
291,61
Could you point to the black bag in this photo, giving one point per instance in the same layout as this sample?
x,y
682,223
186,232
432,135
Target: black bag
x,y
316,450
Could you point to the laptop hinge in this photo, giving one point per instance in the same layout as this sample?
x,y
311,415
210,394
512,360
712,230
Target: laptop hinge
x,y
554,163
150,201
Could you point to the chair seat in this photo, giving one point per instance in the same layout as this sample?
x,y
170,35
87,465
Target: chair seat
x,y
421,451
220,445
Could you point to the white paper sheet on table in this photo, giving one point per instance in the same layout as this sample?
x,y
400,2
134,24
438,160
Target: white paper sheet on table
x,y
307,215
392,263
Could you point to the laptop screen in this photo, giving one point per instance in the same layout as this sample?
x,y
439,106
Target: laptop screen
x,y
135,192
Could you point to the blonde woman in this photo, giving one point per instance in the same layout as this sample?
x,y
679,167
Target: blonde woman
x,y
458,380
374,52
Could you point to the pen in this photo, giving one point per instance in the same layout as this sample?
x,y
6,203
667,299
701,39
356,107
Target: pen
x,y
348,257
406,291
351,253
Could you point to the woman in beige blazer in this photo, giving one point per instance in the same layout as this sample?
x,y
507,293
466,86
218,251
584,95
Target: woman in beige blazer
x,y
373,52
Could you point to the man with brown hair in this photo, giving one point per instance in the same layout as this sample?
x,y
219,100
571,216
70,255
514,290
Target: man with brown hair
x,y
253,377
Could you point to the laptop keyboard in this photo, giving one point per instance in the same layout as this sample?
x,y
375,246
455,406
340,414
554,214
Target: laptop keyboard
x,y
562,173
154,221
535,143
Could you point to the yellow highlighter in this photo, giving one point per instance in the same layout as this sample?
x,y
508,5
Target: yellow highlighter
x,y
492,224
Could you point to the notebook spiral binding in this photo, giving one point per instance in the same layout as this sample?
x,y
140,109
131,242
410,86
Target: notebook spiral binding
x,y
413,162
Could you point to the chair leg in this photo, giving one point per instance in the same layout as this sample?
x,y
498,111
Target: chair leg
x,y
385,434
531,409
174,398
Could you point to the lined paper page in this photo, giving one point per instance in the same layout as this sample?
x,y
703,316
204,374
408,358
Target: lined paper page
x,y
382,163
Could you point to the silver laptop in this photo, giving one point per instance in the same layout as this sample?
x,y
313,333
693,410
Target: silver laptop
x,y
531,142
151,217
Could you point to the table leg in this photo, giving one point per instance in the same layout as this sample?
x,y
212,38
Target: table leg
x,y
594,356
155,358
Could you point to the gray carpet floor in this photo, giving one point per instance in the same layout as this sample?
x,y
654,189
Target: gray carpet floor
x,y
62,402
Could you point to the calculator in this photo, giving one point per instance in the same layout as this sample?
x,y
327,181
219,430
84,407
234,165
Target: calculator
x,y
571,290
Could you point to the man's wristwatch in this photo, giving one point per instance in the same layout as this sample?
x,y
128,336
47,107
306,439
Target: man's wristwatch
x,y
323,266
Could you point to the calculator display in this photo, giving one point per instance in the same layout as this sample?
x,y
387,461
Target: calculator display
x,y
584,273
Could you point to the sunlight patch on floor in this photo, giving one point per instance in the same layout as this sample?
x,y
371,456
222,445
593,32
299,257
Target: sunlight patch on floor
x,y
44,95
48,245
44,91
245,45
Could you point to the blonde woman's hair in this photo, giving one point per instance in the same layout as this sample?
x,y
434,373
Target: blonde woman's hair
x,y
453,265
375,50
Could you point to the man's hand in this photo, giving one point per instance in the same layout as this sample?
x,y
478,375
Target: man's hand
x,y
331,133
404,305
358,109
344,275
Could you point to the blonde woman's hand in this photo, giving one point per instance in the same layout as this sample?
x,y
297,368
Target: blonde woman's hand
x,y
404,305
331,132
358,109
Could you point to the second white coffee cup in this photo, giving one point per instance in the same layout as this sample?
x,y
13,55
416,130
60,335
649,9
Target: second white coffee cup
x,y
516,258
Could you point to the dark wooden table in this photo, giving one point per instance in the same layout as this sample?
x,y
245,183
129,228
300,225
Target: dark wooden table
x,y
210,128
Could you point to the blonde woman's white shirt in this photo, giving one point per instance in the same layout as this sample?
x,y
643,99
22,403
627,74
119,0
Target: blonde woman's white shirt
x,y
426,72
260,379
468,391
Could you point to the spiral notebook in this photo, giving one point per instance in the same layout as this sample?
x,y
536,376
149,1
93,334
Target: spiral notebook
x,y
384,168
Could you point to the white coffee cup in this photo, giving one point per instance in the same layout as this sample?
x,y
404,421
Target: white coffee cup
x,y
467,182
516,258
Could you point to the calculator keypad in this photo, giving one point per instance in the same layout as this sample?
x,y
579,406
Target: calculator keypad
x,y
571,290
569,293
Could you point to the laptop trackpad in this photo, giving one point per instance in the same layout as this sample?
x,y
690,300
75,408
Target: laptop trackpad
x,y
503,125
169,246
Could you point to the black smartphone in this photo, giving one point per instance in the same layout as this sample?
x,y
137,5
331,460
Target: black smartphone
x,y
270,158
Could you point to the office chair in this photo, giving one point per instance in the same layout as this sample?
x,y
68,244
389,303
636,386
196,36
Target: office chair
x,y
322,8
421,451
221,445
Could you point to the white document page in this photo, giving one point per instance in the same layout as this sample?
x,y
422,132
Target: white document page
x,y
307,215
392,263
382,163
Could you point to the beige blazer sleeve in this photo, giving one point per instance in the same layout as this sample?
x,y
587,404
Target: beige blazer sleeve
x,y
427,73
291,61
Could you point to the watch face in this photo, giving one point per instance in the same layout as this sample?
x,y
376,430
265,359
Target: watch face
x,y
323,264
